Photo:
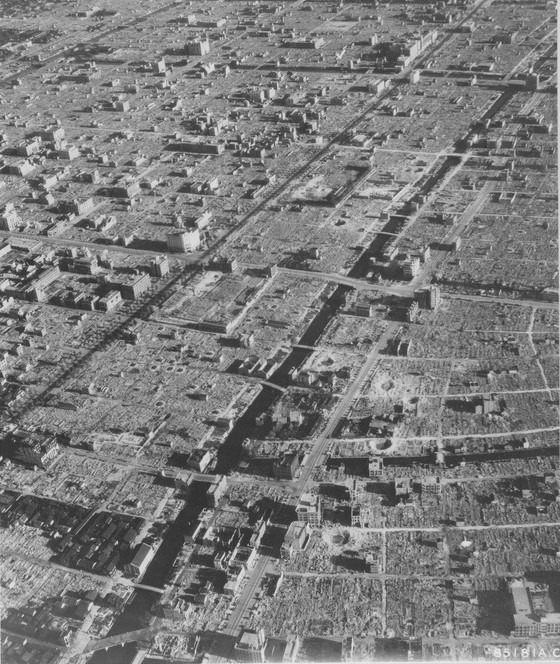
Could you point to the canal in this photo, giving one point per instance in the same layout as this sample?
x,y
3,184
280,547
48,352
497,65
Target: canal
x,y
136,614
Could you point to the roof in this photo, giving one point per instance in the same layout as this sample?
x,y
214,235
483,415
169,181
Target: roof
x,y
295,530
308,503
250,640
198,454
145,552
521,598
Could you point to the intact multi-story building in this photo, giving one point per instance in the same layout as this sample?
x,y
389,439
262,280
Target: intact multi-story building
x,y
428,297
308,509
216,490
250,646
295,539
109,301
197,47
411,267
80,207
85,265
199,459
134,288
530,619
34,450
184,241
36,289
159,266
286,466
9,219
55,133
141,560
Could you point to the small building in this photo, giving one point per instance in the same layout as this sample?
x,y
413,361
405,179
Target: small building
x,y
127,190
226,265
5,249
489,404
375,467
431,485
270,271
239,340
69,153
486,405
550,294
365,310
355,488
52,134
79,208
28,149
291,649
89,302
159,66
403,486
412,312
22,168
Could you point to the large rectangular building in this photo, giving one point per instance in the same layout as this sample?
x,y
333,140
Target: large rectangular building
x,y
198,147
250,646
286,466
109,301
37,287
184,241
133,288
529,620
141,560
308,509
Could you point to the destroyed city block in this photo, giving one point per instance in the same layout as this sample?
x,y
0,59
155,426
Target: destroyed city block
x,y
278,331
